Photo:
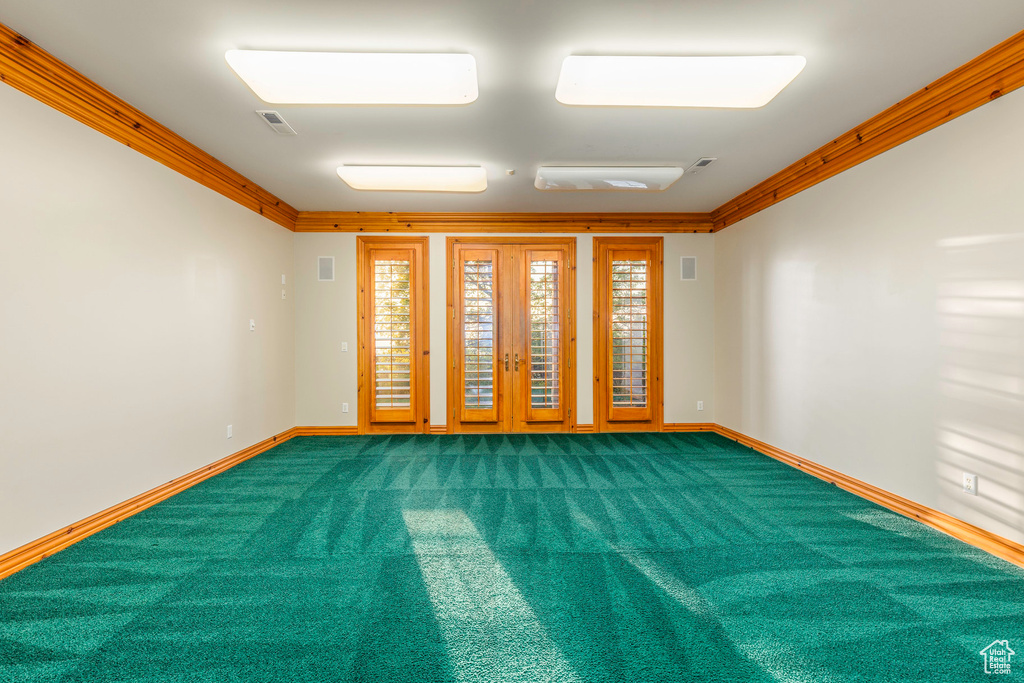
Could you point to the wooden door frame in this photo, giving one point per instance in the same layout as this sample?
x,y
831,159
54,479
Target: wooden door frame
x,y
571,314
421,335
601,282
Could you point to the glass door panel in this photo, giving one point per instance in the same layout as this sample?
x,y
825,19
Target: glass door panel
x,y
545,351
392,340
510,347
478,326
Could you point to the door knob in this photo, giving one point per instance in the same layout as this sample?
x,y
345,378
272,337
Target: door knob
x,y
516,367
506,361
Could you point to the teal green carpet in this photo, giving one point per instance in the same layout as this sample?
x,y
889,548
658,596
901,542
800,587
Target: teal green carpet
x,y
632,558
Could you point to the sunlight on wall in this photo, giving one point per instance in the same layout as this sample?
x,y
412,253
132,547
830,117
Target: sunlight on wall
x,y
491,631
980,316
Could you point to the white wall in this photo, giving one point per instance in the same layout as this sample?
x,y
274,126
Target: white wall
x,y
124,346
689,330
326,316
875,323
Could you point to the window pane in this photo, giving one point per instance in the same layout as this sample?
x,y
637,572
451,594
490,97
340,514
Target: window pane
x,y
478,333
544,334
392,332
629,334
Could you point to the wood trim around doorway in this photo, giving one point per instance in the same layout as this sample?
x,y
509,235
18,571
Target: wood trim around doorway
x,y
452,384
605,417
420,325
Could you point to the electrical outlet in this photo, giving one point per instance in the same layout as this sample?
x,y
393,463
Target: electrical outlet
x,y
252,325
229,431
971,484
700,405
344,407
283,295
344,347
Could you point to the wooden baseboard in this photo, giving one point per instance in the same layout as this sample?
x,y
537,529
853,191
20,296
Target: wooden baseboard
x,y
30,553
325,431
968,533
689,427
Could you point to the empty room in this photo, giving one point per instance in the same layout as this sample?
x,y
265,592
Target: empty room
x,y
511,342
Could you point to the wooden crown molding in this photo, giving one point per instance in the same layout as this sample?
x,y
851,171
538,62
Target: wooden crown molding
x,y
981,80
30,69
362,221
34,71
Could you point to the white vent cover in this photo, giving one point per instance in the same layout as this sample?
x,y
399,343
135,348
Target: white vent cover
x,y
687,267
276,121
325,269
701,164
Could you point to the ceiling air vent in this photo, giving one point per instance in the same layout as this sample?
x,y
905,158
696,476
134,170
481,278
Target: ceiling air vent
x,y
701,164
276,121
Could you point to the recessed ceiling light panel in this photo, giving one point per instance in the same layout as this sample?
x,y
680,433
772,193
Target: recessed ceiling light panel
x,y
731,82
415,178
607,178
356,78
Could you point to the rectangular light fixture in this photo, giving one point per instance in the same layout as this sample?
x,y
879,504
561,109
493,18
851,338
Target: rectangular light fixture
x,y
730,82
607,178
356,78
415,178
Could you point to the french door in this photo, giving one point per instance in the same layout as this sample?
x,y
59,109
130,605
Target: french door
x,y
628,289
511,347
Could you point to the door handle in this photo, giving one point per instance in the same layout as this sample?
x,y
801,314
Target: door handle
x,y
506,361
516,367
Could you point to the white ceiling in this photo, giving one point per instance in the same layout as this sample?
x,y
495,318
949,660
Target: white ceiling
x,y
167,59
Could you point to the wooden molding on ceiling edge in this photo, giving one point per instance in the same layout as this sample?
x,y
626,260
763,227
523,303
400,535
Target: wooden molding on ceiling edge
x,y
28,68
30,553
362,221
959,529
979,81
